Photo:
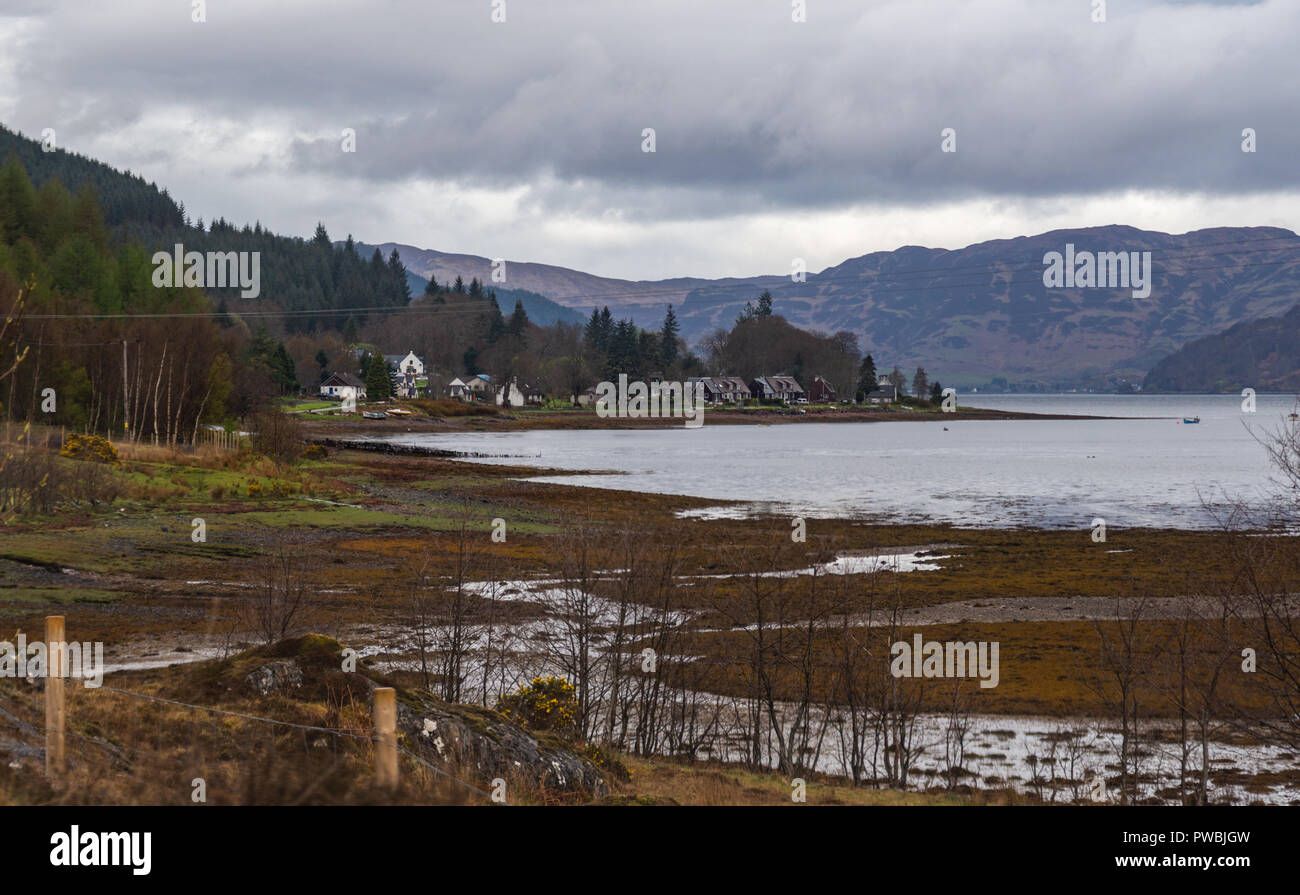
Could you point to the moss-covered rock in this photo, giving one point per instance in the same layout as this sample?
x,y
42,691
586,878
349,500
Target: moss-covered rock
x,y
482,743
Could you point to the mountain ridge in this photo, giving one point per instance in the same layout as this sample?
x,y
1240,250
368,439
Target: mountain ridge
x,y
971,314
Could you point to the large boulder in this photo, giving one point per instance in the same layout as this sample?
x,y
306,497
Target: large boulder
x,y
467,740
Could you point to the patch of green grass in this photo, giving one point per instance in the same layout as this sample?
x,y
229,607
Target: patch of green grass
x,y
57,595
353,517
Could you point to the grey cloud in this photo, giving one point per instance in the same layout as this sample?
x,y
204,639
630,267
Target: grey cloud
x,y
751,111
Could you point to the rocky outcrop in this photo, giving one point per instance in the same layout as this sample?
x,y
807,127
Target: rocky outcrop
x,y
275,677
470,741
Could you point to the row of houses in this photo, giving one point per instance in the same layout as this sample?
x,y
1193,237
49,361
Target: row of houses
x,y
780,389
409,381
511,393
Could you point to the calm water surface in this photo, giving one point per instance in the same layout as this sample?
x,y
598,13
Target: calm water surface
x,y
1146,469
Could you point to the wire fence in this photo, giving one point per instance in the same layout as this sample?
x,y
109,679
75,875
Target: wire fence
x,y
383,735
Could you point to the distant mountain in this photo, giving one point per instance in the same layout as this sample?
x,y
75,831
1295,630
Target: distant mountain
x,y
1259,354
968,315
974,314
645,300
540,309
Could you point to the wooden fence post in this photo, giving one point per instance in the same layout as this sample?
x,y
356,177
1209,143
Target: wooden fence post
x,y
55,758
385,718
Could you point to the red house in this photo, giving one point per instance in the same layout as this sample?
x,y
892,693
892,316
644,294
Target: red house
x,y
821,391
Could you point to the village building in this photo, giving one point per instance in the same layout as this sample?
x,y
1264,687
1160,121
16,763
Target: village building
x,y
884,393
722,389
517,394
821,391
407,372
777,389
733,389
406,364
475,388
343,386
712,390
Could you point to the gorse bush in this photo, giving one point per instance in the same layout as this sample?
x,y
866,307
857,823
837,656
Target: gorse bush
x,y
546,703
90,447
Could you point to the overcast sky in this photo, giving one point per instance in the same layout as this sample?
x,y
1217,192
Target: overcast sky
x,y
774,139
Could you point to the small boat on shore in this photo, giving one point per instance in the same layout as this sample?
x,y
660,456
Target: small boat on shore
x,y
1191,419
375,415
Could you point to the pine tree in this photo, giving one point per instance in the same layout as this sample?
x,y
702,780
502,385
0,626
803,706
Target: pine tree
x,y
668,339
401,285
378,383
496,323
762,309
868,379
459,285
518,326
282,367
591,335
606,328
17,202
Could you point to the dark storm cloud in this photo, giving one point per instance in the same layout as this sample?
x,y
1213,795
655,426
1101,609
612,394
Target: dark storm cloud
x,y
751,111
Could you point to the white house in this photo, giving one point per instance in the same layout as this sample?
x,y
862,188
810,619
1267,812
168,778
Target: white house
x,y
515,394
343,386
406,364
476,388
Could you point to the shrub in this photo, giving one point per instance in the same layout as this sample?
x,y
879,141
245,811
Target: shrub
x,y
547,703
605,760
90,447
277,434
315,452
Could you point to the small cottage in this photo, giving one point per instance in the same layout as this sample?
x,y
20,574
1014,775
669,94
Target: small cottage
x,y
343,386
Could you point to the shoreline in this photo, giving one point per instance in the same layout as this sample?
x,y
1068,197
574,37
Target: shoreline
x,y
321,432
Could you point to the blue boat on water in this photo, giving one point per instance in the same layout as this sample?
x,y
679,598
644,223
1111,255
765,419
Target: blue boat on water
x,y
1191,419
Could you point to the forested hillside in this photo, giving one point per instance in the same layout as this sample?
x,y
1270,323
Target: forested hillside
x,y
131,207
312,280
65,282
1260,354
